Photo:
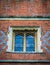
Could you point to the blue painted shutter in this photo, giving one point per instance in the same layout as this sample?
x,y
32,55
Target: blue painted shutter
x,y
30,43
18,43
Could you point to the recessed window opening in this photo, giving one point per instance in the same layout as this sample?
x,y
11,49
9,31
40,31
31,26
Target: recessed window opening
x,y
24,39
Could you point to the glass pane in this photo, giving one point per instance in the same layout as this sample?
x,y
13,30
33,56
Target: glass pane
x,y
30,43
18,49
18,43
30,49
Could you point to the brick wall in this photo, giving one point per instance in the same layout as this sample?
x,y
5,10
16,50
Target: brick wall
x,y
25,8
45,26
24,64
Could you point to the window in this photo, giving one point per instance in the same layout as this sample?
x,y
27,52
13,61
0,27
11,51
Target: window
x,y
30,43
18,43
24,39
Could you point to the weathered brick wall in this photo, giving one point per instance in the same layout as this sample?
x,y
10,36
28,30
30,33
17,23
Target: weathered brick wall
x,y
24,7
24,63
45,27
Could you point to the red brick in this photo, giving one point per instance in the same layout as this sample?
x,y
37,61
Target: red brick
x,y
25,8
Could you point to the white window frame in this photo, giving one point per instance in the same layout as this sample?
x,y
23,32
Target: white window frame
x,y
11,36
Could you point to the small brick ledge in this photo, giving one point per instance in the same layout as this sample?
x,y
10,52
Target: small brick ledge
x,y
27,61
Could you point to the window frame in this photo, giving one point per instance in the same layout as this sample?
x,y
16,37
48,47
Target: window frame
x,y
24,44
12,35
14,40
